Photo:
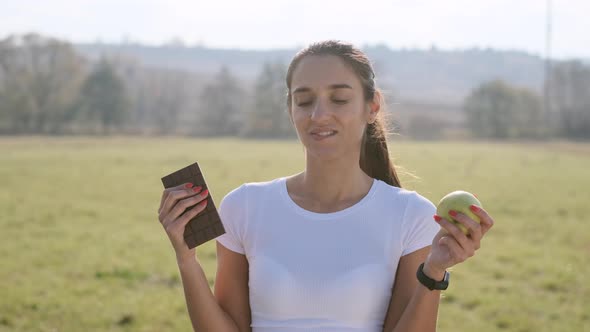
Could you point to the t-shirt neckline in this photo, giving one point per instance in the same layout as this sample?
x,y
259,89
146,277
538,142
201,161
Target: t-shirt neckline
x,y
329,215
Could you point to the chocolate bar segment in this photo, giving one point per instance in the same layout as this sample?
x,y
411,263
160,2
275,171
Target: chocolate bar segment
x,y
206,225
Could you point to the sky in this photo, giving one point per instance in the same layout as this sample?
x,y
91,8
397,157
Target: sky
x,y
268,24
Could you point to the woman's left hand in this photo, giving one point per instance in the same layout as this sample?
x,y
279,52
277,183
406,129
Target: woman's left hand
x,y
451,246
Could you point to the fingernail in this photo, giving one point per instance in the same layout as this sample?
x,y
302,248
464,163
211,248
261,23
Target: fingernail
x,y
188,185
197,189
203,203
474,208
452,213
437,218
205,192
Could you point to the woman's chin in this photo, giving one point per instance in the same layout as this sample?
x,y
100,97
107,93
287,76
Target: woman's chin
x,y
325,153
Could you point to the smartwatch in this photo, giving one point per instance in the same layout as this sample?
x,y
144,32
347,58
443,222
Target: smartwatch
x,y
431,283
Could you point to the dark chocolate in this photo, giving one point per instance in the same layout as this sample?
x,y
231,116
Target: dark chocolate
x,y
206,225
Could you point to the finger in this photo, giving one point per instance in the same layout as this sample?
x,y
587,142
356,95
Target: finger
x,y
177,194
486,220
455,250
472,226
454,230
165,192
186,203
438,235
176,228
182,221
162,199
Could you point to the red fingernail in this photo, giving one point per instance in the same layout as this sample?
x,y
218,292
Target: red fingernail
x,y
452,213
197,189
205,192
188,185
474,208
204,203
437,218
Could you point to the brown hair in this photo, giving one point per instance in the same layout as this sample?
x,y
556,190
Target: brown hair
x,y
374,159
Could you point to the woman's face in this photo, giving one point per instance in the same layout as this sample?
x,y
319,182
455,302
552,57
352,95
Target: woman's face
x,y
328,107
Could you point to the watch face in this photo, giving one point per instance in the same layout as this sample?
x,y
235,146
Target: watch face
x,y
445,283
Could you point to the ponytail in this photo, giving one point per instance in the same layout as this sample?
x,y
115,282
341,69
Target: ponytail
x,y
374,158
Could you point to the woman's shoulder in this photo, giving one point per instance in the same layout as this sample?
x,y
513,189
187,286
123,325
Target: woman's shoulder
x,y
254,188
262,185
412,197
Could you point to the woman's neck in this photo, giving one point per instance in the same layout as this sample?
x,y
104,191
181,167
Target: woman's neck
x,y
330,184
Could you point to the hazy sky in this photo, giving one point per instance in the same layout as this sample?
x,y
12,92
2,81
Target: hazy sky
x,y
503,24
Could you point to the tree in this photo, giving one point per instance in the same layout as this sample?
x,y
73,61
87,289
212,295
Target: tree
x,y
268,115
166,95
527,112
498,110
221,106
161,100
40,79
570,98
103,97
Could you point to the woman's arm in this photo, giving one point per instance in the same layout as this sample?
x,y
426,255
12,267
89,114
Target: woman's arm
x,y
203,308
229,309
413,307
231,286
204,311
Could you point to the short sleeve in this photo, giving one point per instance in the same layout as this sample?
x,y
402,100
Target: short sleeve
x,y
233,214
419,225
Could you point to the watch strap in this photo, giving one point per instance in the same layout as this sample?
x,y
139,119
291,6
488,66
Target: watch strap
x,y
431,283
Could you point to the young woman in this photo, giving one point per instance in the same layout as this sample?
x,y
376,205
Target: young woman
x,y
338,247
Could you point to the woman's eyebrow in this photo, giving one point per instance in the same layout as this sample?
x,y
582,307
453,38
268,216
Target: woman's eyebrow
x,y
333,86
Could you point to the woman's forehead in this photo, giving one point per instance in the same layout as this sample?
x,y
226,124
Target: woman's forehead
x,y
323,72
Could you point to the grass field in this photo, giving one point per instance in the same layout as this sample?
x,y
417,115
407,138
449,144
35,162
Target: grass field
x,y
81,248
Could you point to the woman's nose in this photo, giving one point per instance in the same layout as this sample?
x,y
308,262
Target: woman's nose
x,y
319,111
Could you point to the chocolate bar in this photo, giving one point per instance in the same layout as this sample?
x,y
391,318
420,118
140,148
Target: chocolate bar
x,y
206,225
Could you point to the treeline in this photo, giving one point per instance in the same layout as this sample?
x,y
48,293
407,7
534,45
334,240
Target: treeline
x,y
47,88
497,109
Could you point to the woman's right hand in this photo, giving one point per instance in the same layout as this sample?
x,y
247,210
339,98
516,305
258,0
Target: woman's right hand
x,y
174,202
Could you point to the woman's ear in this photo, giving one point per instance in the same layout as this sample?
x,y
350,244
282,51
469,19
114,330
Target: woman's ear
x,y
374,107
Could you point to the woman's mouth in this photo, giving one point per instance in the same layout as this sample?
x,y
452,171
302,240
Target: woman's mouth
x,y
321,135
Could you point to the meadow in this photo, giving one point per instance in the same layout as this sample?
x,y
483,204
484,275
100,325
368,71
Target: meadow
x,y
81,248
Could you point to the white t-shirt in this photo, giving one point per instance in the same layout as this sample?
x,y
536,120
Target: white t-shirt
x,y
313,271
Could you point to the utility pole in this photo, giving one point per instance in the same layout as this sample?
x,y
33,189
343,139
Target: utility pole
x,y
547,74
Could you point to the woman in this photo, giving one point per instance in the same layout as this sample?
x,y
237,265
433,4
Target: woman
x,y
337,247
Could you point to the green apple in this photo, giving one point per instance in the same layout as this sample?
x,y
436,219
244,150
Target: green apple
x,y
458,201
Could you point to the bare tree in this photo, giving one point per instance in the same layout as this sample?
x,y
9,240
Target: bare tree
x,y
221,106
498,110
268,117
40,79
570,96
104,98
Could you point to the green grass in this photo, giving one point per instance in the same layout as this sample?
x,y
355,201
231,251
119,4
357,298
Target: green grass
x,y
82,250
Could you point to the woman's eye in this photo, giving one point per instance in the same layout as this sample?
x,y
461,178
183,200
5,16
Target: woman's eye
x,y
337,101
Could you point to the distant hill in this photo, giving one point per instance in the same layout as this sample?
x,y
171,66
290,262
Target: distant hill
x,y
429,75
